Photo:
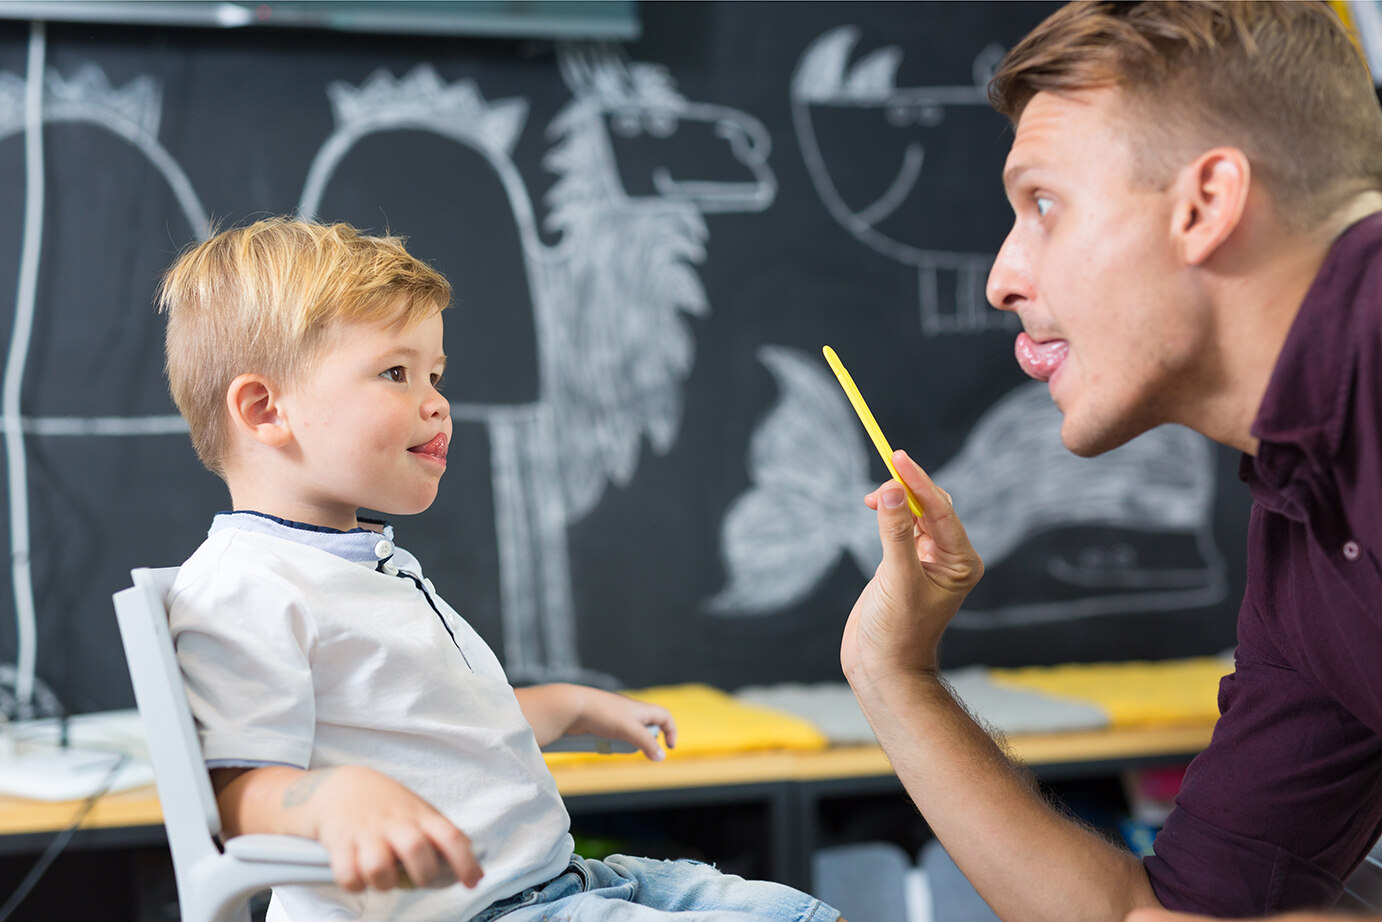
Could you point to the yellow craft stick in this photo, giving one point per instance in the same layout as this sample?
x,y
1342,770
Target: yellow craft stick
x,y
867,419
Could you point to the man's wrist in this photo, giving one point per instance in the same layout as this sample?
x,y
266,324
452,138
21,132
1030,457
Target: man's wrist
x,y
888,684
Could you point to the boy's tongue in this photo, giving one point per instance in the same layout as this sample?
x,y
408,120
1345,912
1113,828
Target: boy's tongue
x,y
436,448
1040,360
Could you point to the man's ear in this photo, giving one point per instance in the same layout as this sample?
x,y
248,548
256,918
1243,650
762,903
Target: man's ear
x,y
254,410
1213,191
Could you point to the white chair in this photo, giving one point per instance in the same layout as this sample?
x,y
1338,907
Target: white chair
x,y
214,881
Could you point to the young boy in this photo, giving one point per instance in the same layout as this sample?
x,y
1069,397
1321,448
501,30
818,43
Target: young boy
x,y
337,696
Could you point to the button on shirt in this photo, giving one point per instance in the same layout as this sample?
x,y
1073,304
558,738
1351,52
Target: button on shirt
x,y
313,648
1287,798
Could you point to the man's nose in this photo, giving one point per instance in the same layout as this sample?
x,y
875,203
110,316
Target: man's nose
x,y
1010,279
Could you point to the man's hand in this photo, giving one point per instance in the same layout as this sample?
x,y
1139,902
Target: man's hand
x,y
371,825
928,568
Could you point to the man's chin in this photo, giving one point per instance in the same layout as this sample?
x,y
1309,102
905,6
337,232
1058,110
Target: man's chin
x,y
1088,441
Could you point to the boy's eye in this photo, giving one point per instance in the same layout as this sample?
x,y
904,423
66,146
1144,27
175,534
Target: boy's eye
x,y
1043,205
436,381
395,374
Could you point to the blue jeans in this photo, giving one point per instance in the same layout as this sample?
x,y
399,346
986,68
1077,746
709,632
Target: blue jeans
x,y
624,889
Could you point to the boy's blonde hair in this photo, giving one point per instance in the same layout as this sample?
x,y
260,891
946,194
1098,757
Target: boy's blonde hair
x,y
1283,82
259,299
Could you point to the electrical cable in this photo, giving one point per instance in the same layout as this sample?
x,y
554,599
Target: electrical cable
x,y
60,841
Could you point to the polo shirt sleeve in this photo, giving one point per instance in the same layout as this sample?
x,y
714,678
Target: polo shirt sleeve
x,y
244,645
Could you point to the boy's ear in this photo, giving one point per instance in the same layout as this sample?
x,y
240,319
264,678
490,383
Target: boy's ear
x,y
253,406
1213,191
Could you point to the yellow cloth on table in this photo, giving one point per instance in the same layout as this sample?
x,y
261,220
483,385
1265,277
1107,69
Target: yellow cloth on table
x,y
1133,694
712,722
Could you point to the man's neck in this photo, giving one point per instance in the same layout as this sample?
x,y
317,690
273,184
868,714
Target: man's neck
x,y
1260,299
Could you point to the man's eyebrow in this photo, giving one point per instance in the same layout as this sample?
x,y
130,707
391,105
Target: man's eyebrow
x,y
1013,173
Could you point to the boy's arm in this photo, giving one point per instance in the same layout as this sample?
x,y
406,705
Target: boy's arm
x,y
557,710
370,824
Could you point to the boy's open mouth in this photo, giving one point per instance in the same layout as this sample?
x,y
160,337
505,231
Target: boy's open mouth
x,y
434,449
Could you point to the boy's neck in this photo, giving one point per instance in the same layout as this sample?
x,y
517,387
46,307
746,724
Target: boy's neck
x,y
246,495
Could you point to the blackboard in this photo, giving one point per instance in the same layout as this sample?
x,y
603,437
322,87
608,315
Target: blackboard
x,y
654,477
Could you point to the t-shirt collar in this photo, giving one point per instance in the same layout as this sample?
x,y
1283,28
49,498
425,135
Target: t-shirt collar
x,y
359,545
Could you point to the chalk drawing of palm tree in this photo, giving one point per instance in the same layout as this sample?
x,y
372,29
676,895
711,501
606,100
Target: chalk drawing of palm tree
x,y
1138,519
909,214
610,299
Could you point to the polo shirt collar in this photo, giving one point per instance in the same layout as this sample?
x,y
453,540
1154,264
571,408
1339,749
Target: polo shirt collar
x,y
358,545
1304,412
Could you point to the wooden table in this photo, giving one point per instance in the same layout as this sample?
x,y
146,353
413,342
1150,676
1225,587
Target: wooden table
x,y
791,784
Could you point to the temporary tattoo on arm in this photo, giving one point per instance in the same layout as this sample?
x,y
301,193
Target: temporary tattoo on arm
x,y
301,790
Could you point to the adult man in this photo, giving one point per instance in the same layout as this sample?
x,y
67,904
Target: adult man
x,y
1196,241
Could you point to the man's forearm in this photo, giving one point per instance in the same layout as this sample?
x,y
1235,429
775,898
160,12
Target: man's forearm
x,y
1030,863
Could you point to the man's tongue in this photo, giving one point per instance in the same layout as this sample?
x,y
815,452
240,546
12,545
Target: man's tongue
x,y
1040,360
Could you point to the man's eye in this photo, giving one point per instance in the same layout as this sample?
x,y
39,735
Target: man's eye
x,y
395,374
1043,205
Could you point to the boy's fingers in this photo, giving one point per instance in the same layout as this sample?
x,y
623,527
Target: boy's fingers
x,y
645,738
456,850
376,864
420,860
344,868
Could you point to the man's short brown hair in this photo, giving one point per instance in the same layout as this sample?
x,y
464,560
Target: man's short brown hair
x,y
259,299
1281,81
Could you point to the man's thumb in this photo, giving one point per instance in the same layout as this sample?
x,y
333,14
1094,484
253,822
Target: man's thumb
x,y
895,523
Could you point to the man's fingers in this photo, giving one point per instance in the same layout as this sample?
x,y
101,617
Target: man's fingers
x,y
896,527
954,563
940,519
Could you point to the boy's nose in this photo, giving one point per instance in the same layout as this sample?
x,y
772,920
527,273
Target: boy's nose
x,y
436,405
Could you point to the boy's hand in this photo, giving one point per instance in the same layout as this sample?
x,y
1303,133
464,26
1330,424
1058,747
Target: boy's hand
x,y
372,826
618,717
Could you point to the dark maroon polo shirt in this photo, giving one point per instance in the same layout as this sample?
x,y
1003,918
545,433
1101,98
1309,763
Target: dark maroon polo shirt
x,y
1287,799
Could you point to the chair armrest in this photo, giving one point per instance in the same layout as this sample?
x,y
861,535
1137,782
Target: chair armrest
x,y
277,849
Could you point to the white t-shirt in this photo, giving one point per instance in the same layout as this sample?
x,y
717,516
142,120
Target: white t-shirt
x,y
314,648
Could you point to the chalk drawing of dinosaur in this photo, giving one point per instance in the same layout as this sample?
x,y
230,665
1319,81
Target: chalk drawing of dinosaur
x,y
1015,485
610,300
906,214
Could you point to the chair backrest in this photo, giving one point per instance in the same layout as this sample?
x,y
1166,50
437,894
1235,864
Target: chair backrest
x,y
190,815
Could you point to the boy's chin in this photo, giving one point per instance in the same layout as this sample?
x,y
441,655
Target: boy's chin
x,y
412,507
